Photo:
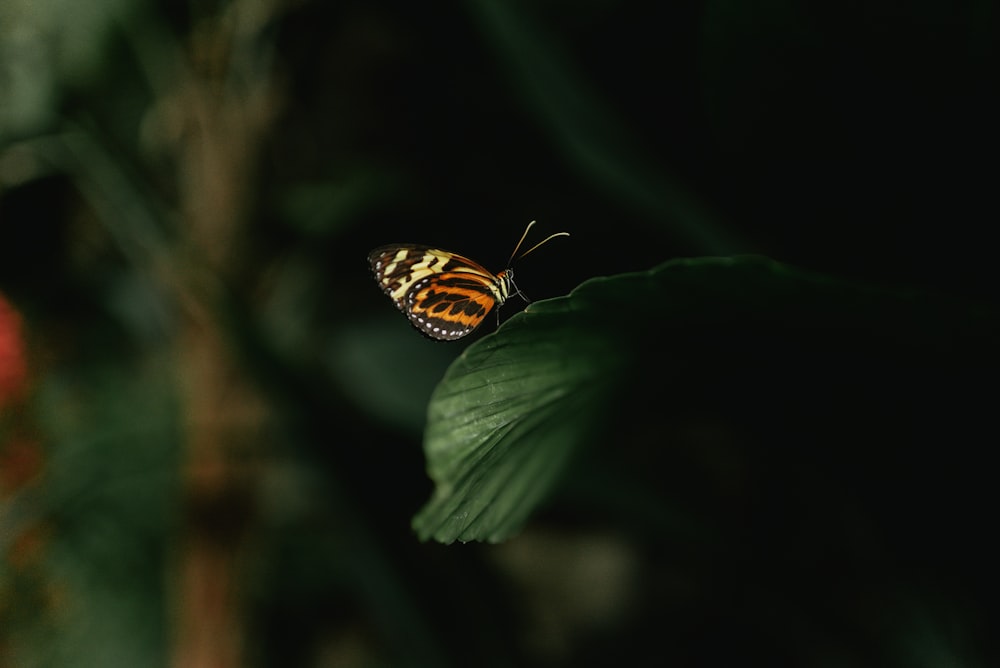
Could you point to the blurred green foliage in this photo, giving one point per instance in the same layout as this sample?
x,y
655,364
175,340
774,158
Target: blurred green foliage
x,y
214,453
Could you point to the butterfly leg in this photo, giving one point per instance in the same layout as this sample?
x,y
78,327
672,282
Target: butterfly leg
x,y
518,292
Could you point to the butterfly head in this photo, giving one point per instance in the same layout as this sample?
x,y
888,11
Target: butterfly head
x,y
507,286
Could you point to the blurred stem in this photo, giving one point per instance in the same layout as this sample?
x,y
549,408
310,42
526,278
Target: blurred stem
x,y
217,121
598,143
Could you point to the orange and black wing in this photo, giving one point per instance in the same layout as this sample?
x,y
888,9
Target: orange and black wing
x,y
445,296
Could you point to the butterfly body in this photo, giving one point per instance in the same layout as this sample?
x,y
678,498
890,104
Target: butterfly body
x,y
445,296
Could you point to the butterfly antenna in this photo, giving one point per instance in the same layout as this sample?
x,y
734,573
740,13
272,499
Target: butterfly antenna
x,y
520,242
545,240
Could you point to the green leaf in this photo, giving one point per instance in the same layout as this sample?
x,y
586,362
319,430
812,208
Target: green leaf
x,y
504,420
620,355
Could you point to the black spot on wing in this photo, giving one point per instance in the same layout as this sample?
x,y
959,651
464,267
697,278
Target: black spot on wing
x,y
468,308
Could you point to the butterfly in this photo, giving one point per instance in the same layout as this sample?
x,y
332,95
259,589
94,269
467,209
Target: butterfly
x,y
445,296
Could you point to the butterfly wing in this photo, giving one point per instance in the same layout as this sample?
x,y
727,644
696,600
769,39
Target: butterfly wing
x,y
445,296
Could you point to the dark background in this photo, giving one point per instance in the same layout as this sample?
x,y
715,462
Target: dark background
x,y
223,414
